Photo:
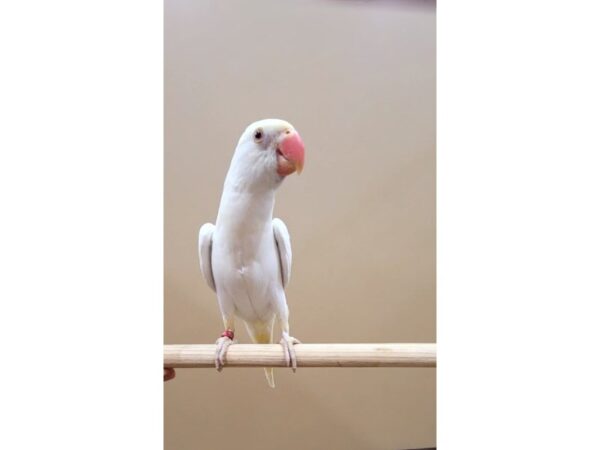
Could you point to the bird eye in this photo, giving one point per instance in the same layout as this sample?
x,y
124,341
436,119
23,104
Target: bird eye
x,y
258,135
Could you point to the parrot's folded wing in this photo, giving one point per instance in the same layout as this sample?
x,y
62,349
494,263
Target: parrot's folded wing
x,y
205,252
284,248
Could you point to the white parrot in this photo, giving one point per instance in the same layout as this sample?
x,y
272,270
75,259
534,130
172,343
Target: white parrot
x,y
246,257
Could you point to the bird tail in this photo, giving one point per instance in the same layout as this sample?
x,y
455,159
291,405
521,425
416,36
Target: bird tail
x,y
269,375
262,333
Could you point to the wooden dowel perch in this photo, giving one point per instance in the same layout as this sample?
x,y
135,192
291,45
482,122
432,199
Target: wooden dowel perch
x,y
308,355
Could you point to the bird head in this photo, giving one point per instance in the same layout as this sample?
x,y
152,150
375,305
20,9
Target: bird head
x,y
269,150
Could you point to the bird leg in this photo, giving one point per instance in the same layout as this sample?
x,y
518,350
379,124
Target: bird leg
x,y
223,343
288,342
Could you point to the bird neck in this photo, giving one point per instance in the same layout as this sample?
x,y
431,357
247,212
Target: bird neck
x,y
245,206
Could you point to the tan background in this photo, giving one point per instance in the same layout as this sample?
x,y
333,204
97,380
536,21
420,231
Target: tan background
x,y
358,82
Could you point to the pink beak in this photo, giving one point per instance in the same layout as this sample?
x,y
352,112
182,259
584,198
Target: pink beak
x,y
290,154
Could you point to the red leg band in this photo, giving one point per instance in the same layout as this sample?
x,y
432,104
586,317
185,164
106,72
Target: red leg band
x,y
227,333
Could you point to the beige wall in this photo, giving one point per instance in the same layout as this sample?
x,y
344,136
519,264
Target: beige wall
x,y
358,82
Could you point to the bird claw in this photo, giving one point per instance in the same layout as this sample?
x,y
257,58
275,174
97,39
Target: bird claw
x,y
288,342
222,344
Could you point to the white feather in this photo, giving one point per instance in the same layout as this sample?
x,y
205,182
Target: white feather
x,y
284,247
204,251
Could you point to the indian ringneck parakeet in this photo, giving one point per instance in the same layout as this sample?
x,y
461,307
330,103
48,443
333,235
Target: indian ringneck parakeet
x,y
246,257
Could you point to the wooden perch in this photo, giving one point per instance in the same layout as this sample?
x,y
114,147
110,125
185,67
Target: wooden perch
x,y
309,355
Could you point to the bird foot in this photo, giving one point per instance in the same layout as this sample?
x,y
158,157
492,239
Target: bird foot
x,y
222,343
288,342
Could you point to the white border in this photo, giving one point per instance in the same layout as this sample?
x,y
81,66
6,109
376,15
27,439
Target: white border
x,y
81,186
518,224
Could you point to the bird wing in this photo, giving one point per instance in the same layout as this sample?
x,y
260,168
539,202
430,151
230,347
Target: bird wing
x,y
205,251
284,248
